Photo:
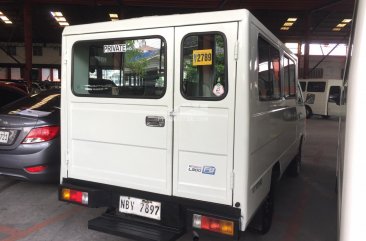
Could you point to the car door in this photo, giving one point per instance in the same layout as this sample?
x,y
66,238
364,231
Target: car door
x,y
204,94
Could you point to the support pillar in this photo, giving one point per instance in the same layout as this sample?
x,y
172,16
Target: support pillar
x,y
307,46
27,11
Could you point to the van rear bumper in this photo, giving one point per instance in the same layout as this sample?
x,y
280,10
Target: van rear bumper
x,y
176,213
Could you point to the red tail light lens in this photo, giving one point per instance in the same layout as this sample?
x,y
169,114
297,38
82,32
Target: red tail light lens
x,y
74,196
213,224
41,134
36,169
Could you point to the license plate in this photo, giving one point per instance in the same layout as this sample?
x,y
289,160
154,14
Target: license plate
x,y
4,136
140,207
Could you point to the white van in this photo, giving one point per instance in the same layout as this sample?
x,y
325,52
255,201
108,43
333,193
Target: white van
x,y
322,96
177,123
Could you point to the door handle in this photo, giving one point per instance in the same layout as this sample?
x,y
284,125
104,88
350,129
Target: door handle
x,y
155,121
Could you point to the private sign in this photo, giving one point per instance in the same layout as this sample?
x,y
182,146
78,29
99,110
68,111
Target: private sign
x,y
115,48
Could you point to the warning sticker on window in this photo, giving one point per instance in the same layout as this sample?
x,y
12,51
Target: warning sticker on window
x,y
202,57
115,48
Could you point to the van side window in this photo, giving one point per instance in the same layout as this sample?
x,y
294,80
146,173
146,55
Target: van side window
x,y
132,68
269,78
316,86
289,78
204,72
303,85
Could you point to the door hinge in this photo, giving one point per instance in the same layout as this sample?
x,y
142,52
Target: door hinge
x,y
65,61
232,180
236,51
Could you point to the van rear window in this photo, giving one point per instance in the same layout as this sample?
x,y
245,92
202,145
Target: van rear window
x,y
204,72
130,68
316,86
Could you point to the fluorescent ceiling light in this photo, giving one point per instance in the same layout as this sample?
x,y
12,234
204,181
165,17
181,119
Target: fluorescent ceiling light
x,y
114,19
288,24
336,29
60,19
4,18
341,25
113,15
64,23
57,14
8,22
285,28
346,20
1,13
291,19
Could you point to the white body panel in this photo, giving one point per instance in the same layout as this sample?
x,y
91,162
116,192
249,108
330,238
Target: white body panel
x,y
352,192
319,101
239,136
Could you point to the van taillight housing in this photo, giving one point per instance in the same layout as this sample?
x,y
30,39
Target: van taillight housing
x,y
41,134
213,224
74,196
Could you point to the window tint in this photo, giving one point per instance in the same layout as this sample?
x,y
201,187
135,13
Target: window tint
x,y
303,85
204,72
316,87
132,68
269,78
335,94
289,78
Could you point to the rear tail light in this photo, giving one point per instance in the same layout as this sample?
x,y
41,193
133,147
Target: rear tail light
x,y
41,134
213,224
74,196
35,169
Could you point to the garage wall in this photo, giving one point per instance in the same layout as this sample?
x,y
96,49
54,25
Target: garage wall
x,y
51,55
332,65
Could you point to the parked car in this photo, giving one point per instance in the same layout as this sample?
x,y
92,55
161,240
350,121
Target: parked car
x,y
10,93
29,138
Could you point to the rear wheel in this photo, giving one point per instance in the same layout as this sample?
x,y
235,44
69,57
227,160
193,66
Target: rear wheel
x,y
294,168
262,220
309,112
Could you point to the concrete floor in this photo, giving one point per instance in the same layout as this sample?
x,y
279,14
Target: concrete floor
x,y
305,207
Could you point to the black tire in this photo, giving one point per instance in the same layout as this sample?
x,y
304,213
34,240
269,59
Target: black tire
x,y
309,112
325,117
262,220
294,168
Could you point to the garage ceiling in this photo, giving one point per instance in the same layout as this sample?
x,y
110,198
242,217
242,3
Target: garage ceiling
x,y
317,17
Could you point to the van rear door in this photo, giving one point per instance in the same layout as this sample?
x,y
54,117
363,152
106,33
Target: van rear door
x,y
204,95
120,98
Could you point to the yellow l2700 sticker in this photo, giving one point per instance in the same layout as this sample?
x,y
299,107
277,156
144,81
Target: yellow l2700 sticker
x,y
202,57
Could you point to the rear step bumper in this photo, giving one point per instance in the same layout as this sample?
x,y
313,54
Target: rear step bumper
x,y
132,229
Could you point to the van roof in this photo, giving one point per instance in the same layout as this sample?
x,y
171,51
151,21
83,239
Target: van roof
x,y
159,21
173,21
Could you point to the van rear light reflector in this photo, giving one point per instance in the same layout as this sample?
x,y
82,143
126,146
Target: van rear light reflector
x,y
74,196
213,224
35,169
41,134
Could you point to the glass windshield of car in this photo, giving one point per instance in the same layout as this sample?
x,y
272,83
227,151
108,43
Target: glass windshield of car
x,y
41,104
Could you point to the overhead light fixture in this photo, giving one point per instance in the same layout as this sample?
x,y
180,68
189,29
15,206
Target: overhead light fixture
x,y
57,14
113,16
59,17
5,19
341,25
336,29
288,24
291,19
346,20
63,23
